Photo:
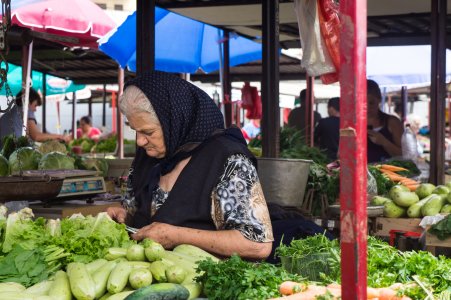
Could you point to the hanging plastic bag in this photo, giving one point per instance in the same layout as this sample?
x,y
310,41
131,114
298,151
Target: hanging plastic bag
x,y
315,57
246,96
328,12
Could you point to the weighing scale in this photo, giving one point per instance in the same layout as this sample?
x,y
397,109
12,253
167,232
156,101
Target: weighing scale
x,y
77,184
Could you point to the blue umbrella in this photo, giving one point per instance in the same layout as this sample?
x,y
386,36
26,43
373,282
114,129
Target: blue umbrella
x,y
55,85
182,45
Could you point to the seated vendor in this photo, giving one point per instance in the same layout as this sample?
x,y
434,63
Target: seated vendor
x,y
86,129
384,130
192,181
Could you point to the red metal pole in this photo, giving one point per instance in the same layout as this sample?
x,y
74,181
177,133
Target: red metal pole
x,y
353,174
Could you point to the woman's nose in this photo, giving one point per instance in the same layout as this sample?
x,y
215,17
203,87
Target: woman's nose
x,y
141,140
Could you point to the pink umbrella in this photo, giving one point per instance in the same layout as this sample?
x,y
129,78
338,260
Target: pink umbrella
x,y
81,19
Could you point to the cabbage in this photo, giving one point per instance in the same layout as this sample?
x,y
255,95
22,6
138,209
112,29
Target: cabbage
x,y
51,146
4,166
24,159
96,164
56,161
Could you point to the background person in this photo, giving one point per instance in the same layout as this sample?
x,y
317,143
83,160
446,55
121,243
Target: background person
x,y
11,121
296,119
86,129
384,130
192,181
327,132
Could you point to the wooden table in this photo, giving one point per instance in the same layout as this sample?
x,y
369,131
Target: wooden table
x,y
68,208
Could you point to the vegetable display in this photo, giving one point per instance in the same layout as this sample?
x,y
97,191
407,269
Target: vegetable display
x,y
427,200
25,158
56,161
4,166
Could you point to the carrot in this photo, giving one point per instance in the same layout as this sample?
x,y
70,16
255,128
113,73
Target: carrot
x,y
311,293
372,293
290,287
334,286
394,177
413,187
393,168
408,181
386,294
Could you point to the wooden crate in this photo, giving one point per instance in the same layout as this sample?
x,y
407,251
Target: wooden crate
x,y
432,241
384,225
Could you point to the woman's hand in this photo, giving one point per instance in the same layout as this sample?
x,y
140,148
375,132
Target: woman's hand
x,y
163,233
118,214
376,137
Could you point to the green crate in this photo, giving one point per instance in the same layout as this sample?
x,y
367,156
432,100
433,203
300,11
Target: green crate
x,y
309,266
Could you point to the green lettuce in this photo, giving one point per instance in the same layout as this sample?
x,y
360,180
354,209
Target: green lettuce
x,y
23,231
88,238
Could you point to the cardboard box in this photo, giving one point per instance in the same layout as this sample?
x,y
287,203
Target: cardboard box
x,y
384,225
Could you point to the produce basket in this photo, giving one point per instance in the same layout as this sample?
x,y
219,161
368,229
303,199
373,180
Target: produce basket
x,y
309,266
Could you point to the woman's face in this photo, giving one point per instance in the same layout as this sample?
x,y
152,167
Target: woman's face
x,y
372,105
84,126
149,135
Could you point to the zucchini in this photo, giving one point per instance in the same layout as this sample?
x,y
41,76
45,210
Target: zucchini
x,y
40,288
16,296
119,277
114,253
194,252
139,264
186,262
60,288
80,280
11,287
160,291
100,278
158,270
95,265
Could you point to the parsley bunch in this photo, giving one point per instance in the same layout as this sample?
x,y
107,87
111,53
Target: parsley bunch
x,y
237,279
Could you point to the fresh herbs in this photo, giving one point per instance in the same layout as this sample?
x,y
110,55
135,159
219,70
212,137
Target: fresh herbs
x,y
383,182
237,279
386,266
442,229
292,145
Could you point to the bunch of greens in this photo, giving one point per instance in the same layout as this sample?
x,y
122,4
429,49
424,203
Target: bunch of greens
x,y
292,145
323,181
22,231
107,145
442,229
384,184
237,279
88,238
30,266
85,144
309,248
386,265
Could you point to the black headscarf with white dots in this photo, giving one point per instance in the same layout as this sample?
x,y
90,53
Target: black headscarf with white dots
x,y
188,117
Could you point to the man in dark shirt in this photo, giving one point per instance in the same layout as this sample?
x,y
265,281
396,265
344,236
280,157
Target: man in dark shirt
x,y
327,132
296,119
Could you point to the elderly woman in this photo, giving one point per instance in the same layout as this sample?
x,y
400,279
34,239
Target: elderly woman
x,y
192,181
384,131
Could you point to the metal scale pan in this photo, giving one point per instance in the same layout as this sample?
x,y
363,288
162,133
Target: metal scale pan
x,y
41,185
16,188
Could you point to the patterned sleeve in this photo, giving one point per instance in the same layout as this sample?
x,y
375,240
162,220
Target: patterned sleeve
x,y
238,201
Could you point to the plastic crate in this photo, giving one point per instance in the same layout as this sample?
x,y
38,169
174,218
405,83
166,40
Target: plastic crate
x,y
309,266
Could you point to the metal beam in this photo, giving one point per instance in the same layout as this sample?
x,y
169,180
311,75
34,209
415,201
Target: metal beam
x,y
226,83
438,90
44,102
104,106
145,36
270,79
353,149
